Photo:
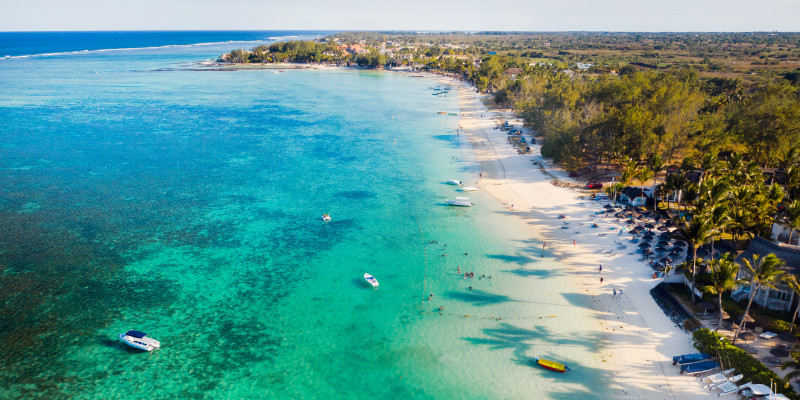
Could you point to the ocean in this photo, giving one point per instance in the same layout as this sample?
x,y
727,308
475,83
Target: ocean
x,y
142,190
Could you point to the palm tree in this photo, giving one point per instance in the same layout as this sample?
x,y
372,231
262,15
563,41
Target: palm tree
x,y
696,232
791,281
723,278
645,174
656,165
763,272
629,171
718,217
793,363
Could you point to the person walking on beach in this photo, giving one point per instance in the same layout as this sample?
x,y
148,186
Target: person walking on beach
x,y
615,292
544,245
620,292
601,268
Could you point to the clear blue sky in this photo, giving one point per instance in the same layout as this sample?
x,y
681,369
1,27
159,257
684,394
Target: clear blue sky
x,y
468,15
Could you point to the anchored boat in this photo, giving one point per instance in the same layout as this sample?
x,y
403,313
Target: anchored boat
x,y
140,340
371,279
460,202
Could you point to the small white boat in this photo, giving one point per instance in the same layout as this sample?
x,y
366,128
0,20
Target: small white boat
x,y
140,340
454,182
460,202
326,217
371,279
468,189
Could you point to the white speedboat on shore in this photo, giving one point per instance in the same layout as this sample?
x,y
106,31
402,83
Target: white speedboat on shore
x,y
454,182
140,340
460,202
468,189
371,279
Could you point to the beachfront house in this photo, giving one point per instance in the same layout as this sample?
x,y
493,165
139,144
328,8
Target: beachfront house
x,y
781,298
636,196
781,233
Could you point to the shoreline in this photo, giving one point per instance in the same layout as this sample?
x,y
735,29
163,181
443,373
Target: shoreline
x,y
642,338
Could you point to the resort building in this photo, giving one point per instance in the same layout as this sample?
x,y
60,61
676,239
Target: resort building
x,y
782,297
636,196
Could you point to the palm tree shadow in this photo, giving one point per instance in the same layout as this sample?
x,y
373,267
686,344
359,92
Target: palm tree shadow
x,y
478,297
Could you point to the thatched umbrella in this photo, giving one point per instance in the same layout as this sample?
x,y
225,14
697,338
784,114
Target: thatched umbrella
x,y
680,243
644,245
787,337
779,351
748,319
663,229
706,306
663,242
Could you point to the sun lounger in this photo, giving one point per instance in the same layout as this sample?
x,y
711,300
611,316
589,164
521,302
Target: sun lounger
x,y
768,335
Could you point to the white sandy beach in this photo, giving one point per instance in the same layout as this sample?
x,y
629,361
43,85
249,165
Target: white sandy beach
x,y
643,339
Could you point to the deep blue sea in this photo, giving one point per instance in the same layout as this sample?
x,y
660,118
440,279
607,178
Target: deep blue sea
x,y
141,189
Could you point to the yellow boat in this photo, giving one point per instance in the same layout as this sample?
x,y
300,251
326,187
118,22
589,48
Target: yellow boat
x,y
552,365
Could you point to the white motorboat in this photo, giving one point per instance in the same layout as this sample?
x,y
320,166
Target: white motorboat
x,y
140,340
371,279
460,202
326,217
454,182
468,189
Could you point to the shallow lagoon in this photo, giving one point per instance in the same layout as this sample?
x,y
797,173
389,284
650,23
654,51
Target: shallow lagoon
x,y
138,192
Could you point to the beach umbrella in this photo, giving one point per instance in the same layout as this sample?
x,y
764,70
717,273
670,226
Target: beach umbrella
x,y
788,337
748,319
647,252
644,245
630,221
649,234
663,228
779,351
650,226
663,242
747,336
680,243
706,305
661,248
665,260
607,206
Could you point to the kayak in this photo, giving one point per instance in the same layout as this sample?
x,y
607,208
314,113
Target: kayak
x,y
552,365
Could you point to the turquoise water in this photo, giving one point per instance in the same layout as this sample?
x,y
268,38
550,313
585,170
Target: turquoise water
x,y
140,191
